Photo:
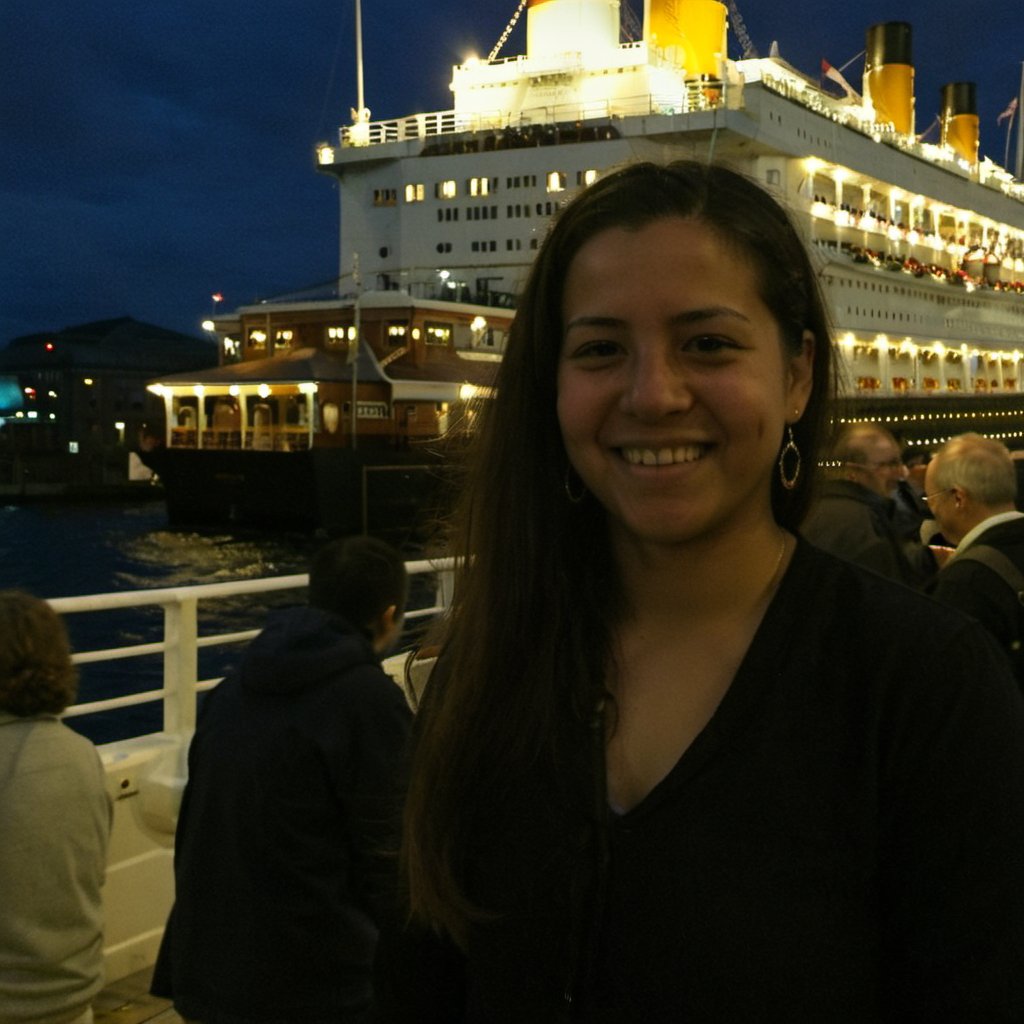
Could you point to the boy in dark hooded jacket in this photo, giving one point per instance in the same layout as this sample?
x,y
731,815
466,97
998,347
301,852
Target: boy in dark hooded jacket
x,y
281,847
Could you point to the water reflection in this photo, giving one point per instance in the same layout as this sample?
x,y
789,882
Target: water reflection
x,y
65,550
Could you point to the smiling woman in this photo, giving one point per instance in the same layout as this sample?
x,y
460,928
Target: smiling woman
x,y
657,775
674,386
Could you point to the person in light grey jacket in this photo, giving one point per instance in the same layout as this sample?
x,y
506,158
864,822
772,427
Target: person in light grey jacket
x,y
55,819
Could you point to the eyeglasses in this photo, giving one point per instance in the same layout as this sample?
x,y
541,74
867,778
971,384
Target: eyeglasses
x,y
929,498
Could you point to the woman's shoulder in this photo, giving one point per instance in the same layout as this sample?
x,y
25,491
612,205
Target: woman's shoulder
x,y
826,583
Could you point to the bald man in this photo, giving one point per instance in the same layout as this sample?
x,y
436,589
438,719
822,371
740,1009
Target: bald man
x,y
971,489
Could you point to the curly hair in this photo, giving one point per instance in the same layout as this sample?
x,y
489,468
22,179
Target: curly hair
x,y
36,673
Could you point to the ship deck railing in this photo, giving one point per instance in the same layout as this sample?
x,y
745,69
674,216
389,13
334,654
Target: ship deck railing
x,y
692,96
261,438
180,642
509,130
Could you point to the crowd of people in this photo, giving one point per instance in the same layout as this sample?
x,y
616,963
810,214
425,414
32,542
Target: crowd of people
x,y
704,741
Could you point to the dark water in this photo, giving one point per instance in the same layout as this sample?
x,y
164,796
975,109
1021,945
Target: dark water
x,y
67,550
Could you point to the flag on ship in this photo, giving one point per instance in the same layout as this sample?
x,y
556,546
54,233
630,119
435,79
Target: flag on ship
x,y
836,76
1010,110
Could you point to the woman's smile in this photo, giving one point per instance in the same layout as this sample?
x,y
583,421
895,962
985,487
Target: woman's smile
x,y
664,456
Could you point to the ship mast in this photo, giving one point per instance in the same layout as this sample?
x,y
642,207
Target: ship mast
x,y
360,133
360,98
1019,169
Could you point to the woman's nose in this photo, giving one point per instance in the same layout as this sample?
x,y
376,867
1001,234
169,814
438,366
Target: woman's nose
x,y
657,387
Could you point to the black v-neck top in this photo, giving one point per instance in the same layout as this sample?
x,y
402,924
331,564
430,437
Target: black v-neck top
x,y
843,842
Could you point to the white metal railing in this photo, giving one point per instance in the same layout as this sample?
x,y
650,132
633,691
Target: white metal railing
x,y
181,642
689,98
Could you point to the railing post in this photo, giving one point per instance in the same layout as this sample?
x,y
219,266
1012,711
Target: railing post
x,y
445,587
181,665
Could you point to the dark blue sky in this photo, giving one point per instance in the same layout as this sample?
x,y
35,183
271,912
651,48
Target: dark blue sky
x,y
154,153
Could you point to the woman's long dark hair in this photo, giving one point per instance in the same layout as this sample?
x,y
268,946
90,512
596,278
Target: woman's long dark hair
x,y
526,645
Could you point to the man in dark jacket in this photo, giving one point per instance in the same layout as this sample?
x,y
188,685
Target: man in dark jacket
x,y
281,859
971,488
853,516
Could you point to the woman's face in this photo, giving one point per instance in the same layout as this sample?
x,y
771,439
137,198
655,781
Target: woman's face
x,y
674,388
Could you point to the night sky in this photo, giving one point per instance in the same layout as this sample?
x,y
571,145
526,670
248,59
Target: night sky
x,y
152,154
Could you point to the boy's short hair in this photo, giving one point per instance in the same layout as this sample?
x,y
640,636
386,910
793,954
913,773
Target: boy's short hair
x,y
358,578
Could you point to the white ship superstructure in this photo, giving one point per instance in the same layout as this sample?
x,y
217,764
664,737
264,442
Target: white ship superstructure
x,y
921,245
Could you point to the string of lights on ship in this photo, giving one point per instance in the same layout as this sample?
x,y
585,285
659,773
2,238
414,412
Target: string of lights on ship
x,y
983,255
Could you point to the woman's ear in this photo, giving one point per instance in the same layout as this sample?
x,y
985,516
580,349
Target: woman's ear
x,y
800,374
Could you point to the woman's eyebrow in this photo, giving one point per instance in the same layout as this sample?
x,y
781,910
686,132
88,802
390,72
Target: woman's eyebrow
x,y
690,316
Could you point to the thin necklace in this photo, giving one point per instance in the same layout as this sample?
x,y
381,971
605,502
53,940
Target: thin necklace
x,y
773,580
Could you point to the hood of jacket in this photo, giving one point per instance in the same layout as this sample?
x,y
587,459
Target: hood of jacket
x,y
302,647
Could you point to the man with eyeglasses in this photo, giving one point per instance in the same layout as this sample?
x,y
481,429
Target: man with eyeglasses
x,y
853,516
971,488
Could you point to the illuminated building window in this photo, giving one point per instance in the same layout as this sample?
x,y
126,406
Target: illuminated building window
x,y
586,177
335,335
445,189
385,196
414,193
257,338
397,332
438,333
283,338
556,181
478,186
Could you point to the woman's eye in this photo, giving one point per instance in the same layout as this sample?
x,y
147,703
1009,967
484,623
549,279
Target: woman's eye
x,y
597,349
709,344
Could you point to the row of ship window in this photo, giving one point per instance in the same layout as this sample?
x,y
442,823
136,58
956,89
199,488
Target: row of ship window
x,y
434,333
554,181
491,245
513,210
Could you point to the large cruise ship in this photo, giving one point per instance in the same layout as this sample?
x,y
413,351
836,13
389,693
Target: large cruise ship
x,y
920,243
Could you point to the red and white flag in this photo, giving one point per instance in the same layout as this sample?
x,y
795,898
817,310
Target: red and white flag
x,y
1010,110
836,76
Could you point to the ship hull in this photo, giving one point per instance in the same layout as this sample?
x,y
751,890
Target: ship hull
x,y
339,491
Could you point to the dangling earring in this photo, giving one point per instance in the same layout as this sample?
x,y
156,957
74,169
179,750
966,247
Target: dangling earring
x,y
789,451
577,497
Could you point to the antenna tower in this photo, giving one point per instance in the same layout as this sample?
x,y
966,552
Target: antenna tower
x,y
749,50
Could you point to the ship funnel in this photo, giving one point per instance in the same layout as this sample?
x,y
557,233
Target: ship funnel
x,y
554,27
889,75
691,33
959,120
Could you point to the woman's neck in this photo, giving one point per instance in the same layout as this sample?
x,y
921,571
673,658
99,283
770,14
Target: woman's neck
x,y
704,578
